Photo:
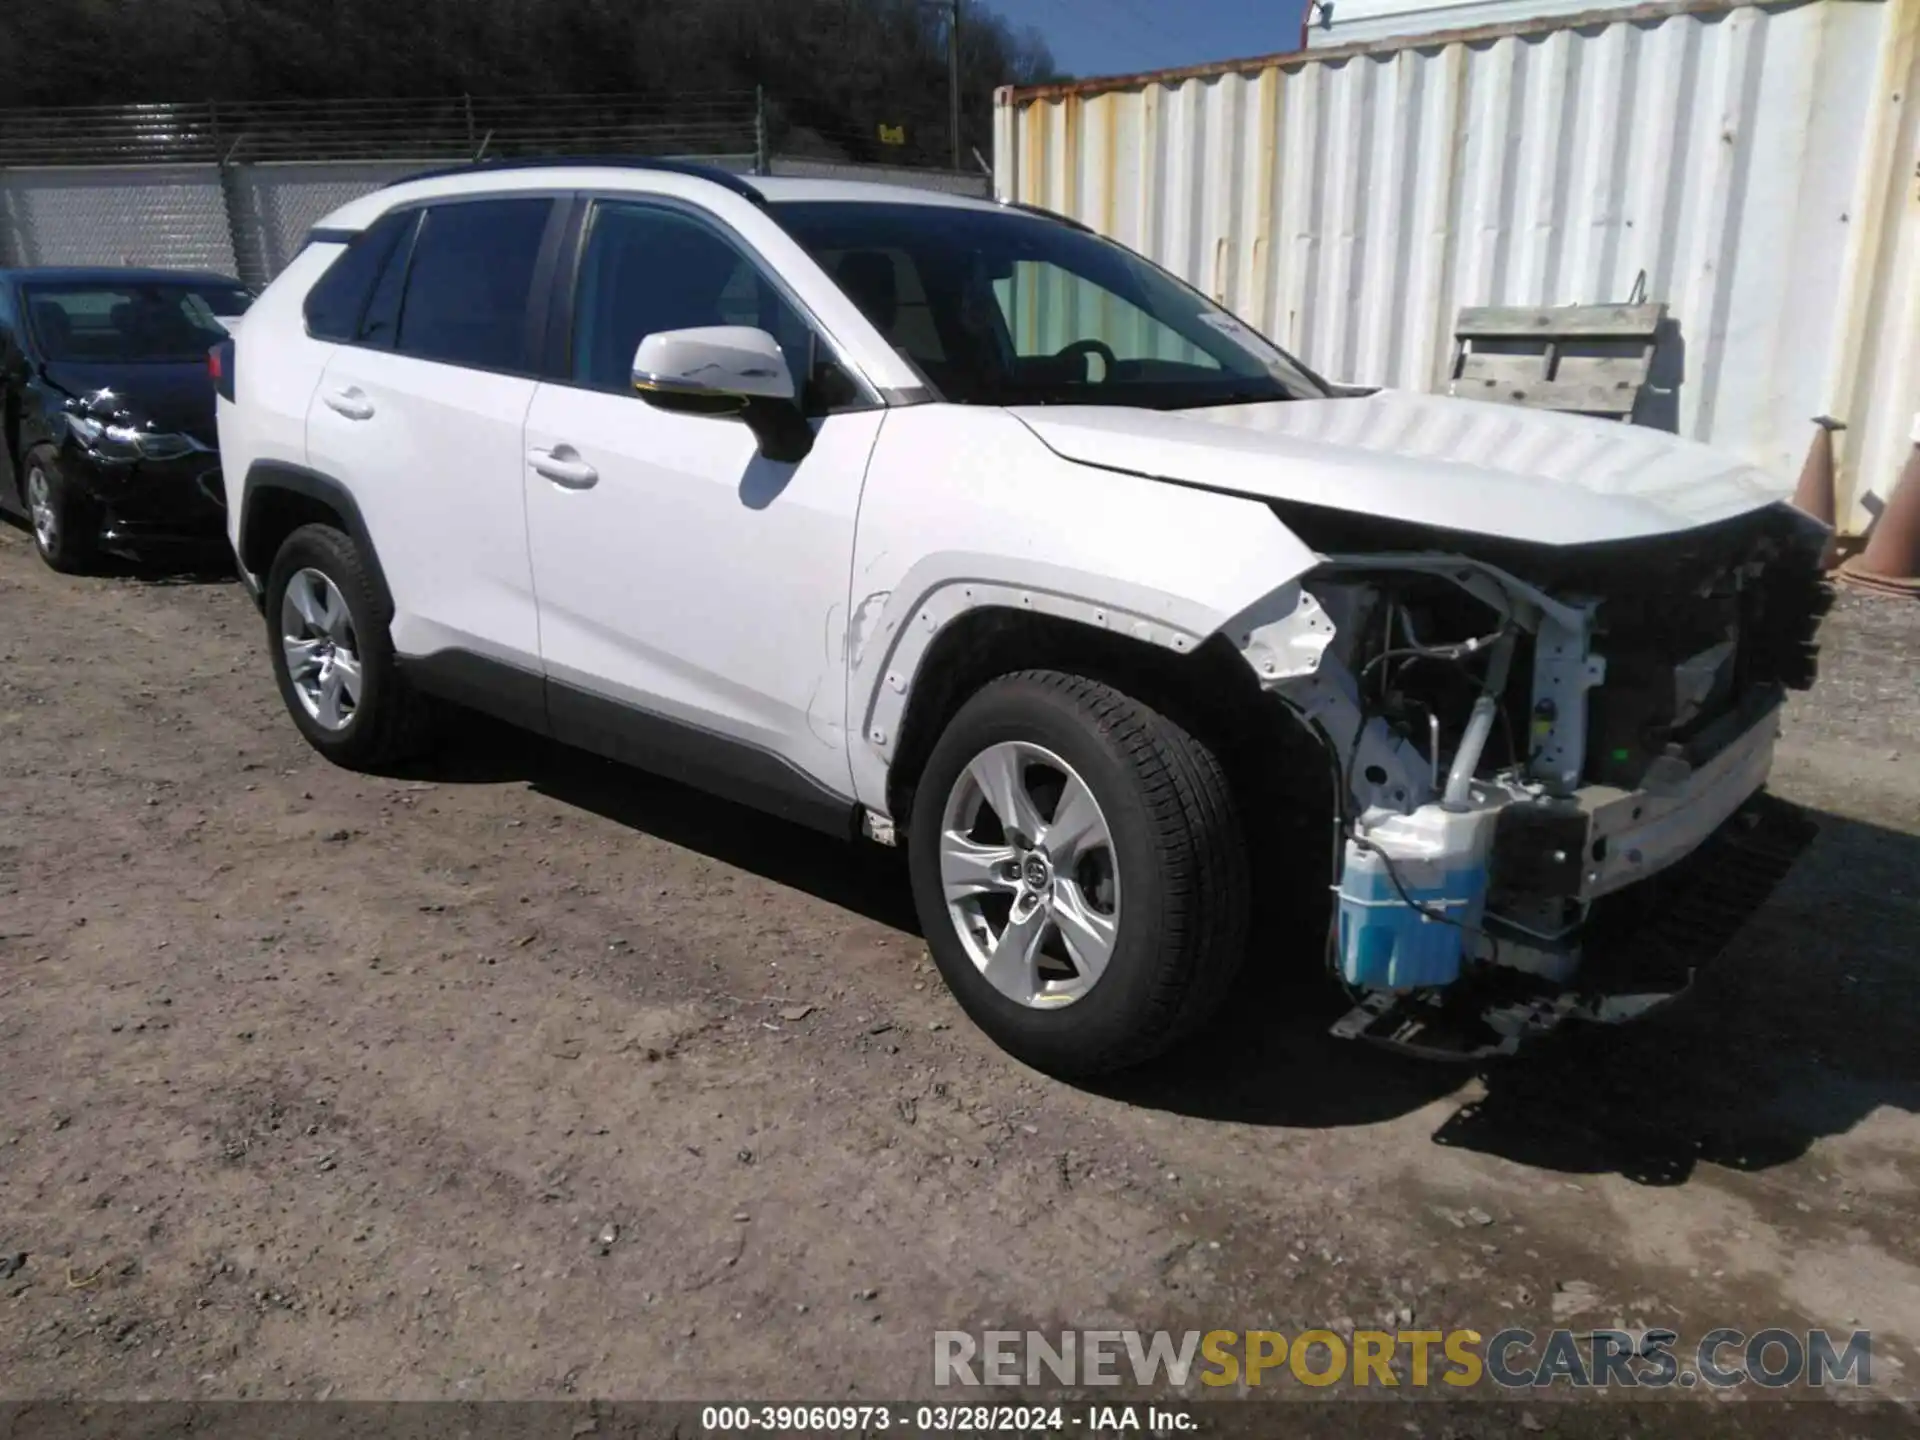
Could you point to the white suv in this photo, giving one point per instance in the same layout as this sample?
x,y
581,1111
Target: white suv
x,y
955,523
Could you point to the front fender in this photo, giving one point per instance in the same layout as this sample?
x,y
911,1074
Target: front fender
x,y
965,509
42,416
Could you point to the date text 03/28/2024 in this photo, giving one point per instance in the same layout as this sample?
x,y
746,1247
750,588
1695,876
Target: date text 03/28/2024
x,y
1088,1420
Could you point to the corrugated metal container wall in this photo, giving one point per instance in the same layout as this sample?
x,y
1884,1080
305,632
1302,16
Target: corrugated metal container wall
x,y
1758,164
168,215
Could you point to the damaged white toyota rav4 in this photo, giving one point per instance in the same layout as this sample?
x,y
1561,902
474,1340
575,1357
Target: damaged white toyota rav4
x,y
957,524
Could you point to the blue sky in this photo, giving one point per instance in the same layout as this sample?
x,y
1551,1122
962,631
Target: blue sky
x,y
1109,37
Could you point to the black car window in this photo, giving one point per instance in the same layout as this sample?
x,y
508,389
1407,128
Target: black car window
x,y
470,281
134,321
339,297
647,269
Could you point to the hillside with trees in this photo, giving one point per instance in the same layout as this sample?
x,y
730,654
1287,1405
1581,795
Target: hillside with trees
x,y
833,71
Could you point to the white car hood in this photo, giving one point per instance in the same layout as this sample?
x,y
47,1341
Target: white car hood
x,y
1460,465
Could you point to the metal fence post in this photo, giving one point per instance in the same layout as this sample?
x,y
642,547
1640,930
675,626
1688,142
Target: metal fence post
x,y
762,161
249,262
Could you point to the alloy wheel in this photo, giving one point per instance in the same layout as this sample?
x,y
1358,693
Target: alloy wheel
x,y
323,655
46,519
1027,865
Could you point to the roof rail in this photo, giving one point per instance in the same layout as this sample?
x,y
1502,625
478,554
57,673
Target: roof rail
x,y
1047,214
699,170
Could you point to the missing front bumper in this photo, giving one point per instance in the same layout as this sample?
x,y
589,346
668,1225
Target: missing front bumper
x,y
1644,944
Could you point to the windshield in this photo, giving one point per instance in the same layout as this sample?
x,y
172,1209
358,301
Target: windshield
x,y
154,322
1008,308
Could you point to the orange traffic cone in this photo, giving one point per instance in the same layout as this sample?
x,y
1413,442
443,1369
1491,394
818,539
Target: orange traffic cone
x,y
1890,565
1814,493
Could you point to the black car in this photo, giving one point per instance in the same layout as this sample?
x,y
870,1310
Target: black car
x,y
108,404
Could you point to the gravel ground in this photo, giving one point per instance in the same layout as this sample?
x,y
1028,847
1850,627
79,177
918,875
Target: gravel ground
x,y
527,1077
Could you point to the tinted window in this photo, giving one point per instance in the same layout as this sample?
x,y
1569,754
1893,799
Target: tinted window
x,y
886,286
140,321
650,269
339,297
1000,307
381,320
470,282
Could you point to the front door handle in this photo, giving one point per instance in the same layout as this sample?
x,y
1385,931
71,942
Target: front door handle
x,y
351,402
563,465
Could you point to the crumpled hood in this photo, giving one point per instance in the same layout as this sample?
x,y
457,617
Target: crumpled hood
x,y
1460,465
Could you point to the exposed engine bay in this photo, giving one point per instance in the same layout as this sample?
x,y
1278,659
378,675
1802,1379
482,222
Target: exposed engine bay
x,y
1523,738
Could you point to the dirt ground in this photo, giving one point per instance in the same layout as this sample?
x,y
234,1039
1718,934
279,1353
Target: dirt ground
x,y
526,1076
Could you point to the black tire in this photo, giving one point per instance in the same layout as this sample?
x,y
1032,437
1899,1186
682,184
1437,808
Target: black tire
x,y
1179,847
392,722
75,544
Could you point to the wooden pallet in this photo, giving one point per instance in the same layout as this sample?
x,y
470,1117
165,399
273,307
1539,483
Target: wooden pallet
x,y
1587,359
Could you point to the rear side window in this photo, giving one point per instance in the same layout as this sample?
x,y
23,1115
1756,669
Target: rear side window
x,y
381,320
470,283
339,298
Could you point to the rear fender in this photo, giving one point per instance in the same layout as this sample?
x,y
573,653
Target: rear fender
x,y
256,547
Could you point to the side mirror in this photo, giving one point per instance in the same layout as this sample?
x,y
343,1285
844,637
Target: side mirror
x,y
714,362
727,370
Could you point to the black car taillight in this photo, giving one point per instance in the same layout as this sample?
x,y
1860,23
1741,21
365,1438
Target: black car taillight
x,y
220,367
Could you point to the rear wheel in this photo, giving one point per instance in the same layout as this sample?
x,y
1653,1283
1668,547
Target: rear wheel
x,y
333,658
66,523
1079,871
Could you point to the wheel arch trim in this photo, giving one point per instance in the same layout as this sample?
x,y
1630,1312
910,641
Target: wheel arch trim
x,y
265,476
892,632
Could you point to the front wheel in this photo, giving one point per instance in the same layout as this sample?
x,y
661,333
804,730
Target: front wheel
x,y
66,525
1079,871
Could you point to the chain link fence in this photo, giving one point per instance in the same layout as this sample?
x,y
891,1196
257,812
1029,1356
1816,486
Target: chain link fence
x,y
235,187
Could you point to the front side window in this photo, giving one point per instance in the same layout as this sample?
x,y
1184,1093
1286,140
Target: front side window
x,y
470,282
133,322
649,268
1000,307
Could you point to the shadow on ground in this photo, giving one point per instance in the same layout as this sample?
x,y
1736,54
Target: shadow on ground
x,y
859,877
210,564
168,570
1799,1030
1805,1025
1803,1028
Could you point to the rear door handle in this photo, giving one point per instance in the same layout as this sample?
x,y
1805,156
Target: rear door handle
x,y
351,402
563,465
